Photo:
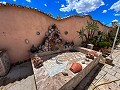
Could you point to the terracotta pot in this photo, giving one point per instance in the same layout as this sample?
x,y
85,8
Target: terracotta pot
x,y
93,53
76,67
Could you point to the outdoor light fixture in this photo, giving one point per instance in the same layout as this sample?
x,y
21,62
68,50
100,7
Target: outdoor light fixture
x,y
114,24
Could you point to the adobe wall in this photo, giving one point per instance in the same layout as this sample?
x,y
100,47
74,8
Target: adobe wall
x,y
18,24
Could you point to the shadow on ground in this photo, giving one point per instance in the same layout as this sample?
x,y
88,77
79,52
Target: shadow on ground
x,y
86,82
47,57
17,73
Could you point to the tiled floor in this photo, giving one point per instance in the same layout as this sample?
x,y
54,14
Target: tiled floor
x,y
102,74
112,73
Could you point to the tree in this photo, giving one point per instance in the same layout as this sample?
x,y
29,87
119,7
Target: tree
x,y
81,33
90,29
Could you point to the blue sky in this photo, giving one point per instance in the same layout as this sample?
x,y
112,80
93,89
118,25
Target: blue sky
x,y
102,10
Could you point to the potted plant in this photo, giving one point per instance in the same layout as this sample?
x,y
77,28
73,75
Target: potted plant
x,y
104,45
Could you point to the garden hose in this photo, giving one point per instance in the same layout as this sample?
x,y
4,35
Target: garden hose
x,y
106,83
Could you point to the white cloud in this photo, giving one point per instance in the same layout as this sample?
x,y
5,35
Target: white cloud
x,y
14,0
82,6
85,14
62,5
104,11
28,0
45,5
116,14
116,6
3,2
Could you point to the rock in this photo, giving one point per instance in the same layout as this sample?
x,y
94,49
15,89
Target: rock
x,y
109,60
87,60
53,39
65,73
83,61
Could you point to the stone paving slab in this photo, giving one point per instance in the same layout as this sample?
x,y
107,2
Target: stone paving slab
x,y
111,86
110,73
24,84
91,87
20,77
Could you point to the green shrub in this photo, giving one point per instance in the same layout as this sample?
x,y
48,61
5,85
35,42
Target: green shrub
x,y
104,44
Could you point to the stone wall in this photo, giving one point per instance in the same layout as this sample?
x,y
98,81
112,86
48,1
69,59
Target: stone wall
x,y
21,27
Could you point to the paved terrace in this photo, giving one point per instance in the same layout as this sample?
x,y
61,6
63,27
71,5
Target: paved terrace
x,y
100,74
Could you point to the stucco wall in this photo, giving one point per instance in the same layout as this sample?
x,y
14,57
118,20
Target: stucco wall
x,y
18,24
